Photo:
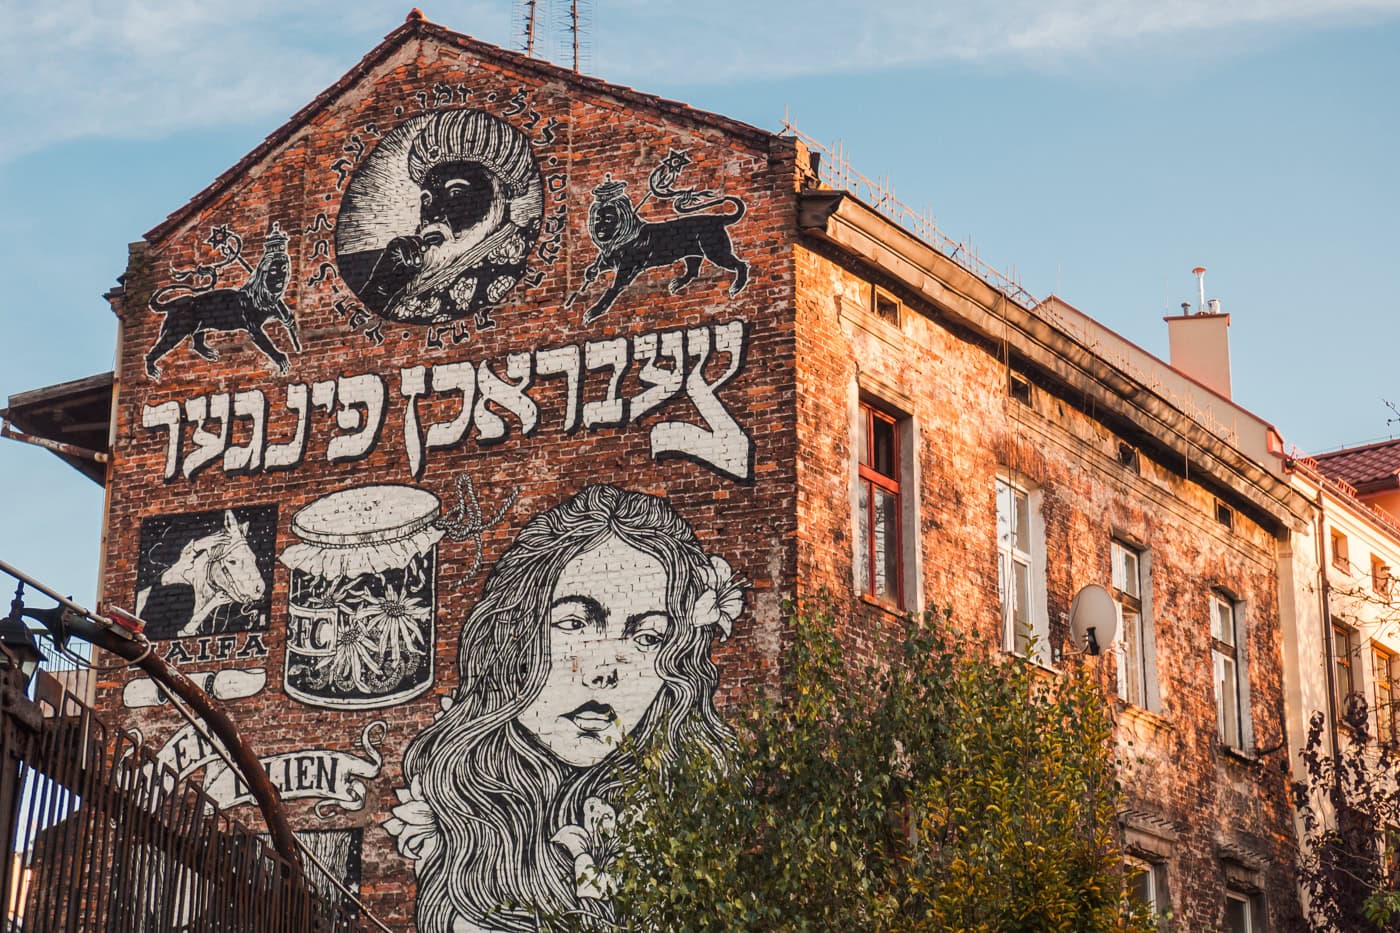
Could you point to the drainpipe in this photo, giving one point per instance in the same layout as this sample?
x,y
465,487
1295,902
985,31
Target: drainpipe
x,y
1328,639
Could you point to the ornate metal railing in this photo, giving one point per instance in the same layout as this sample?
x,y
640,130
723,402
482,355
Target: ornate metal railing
x,y
101,836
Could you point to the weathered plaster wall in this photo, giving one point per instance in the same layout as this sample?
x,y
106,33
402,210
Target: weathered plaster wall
x,y
1314,591
953,387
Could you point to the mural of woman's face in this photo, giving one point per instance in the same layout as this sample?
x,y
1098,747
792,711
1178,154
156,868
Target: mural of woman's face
x,y
607,619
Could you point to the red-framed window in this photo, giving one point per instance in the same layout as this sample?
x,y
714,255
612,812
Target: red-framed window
x,y
881,557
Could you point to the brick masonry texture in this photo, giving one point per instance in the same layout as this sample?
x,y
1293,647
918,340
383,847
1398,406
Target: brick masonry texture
x,y
391,546
969,430
324,655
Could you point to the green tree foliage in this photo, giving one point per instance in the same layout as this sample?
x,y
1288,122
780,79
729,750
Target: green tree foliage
x,y
945,792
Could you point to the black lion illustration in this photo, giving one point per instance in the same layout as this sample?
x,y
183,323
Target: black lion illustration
x,y
628,245
248,308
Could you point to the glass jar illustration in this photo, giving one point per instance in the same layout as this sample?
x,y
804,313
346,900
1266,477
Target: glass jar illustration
x,y
362,601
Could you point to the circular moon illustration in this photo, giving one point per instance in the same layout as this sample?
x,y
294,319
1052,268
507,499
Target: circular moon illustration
x,y
438,221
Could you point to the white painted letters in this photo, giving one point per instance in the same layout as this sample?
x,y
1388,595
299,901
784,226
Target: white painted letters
x,y
670,367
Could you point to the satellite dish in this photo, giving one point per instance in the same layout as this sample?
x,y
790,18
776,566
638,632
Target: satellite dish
x,y
1093,619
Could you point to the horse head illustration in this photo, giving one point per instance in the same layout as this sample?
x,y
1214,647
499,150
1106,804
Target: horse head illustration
x,y
222,569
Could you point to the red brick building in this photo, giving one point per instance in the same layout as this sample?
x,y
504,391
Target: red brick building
x,y
486,413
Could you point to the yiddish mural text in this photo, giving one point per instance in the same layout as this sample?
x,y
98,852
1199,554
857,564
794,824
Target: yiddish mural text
x,y
675,367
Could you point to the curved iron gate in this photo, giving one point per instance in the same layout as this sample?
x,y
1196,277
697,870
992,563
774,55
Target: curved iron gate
x,y
102,836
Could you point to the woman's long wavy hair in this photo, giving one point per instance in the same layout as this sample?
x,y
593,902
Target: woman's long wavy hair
x,y
497,795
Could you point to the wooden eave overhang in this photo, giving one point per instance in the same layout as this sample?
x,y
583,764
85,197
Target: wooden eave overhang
x,y
71,419
858,231
417,28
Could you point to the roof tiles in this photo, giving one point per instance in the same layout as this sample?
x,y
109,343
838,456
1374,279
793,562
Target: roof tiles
x,y
1368,468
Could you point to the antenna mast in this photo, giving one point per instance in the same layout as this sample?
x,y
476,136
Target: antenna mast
x,y
549,30
527,11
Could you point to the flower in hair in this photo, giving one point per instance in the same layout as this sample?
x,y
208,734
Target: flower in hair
x,y
720,603
413,825
593,847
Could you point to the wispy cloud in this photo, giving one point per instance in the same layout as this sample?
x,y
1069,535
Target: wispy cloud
x,y
838,36
72,69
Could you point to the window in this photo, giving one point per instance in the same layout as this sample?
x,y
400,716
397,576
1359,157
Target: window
x,y
1147,885
879,570
1346,681
1385,670
1389,846
1128,456
1243,913
1230,693
1137,673
1020,569
1380,576
1224,514
1020,388
1340,560
885,306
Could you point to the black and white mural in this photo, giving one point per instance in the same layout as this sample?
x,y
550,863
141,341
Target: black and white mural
x,y
339,850
362,600
439,220
591,639
232,683
194,305
337,780
609,384
206,573
629,245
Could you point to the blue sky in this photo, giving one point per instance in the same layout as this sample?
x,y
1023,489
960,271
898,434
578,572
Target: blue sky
x,y
1100,148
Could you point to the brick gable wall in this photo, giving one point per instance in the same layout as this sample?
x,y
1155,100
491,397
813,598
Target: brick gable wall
x,y
311,627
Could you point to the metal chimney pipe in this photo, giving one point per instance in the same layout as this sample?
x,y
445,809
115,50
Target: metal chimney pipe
x,y
1200,273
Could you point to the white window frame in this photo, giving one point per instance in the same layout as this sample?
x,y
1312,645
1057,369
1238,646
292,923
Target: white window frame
x,y
1159,901
1135,646
1341,551
1230,672
872,480
1346,657
1253,909
1029,554
1384,664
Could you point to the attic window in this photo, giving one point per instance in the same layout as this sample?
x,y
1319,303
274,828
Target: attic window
x,y
1224,514
885,306
1020,388
1341,552
1128,456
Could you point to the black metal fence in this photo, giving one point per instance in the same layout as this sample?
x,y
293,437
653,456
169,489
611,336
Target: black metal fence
x,y
103,837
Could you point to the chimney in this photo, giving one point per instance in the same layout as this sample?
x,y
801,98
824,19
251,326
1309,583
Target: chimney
x,y
1200,341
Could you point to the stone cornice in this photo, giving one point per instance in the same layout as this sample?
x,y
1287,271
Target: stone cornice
x,y
871,239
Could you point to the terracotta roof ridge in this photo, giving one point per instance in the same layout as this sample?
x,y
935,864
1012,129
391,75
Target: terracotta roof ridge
x,y
416,25
1360,448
